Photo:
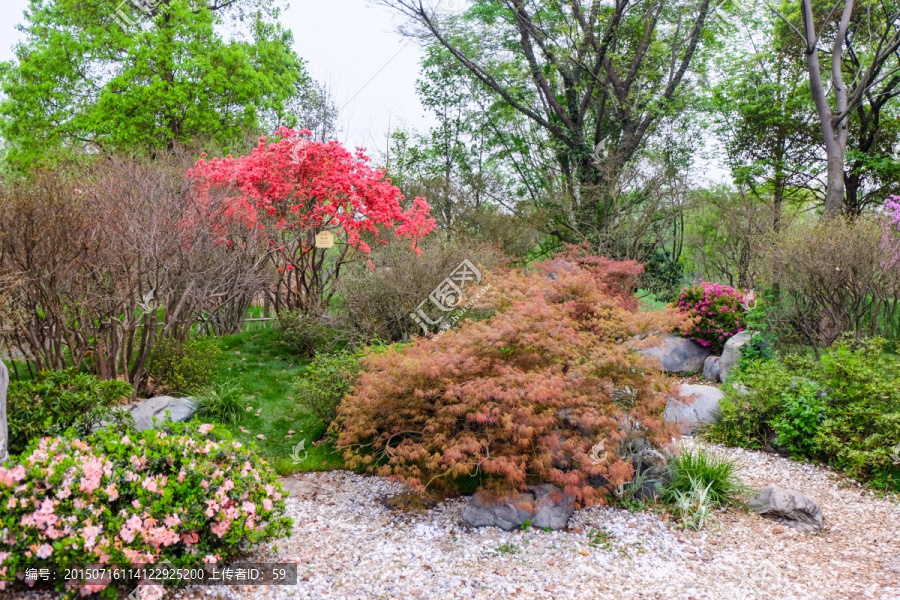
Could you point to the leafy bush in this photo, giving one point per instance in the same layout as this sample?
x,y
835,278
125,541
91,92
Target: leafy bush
x,y
525,395
719,310
325,383
186,494
379,297
183,367
223,402
836,276
802,414
843,409
57,400
305,334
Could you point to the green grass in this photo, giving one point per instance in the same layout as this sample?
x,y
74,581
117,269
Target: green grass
x,y
265,369
648,301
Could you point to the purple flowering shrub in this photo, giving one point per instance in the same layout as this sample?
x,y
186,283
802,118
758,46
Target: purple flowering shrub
x,y
720,313
186,494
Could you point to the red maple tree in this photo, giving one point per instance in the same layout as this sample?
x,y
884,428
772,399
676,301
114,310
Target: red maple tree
x,y
291,189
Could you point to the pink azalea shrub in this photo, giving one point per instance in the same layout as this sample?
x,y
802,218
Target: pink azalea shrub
x,y
186,494
720,313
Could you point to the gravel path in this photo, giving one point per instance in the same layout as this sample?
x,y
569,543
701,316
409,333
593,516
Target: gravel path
x,y
347,545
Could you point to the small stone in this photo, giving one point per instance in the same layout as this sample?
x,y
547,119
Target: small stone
x,y
260,437
778,530
585,553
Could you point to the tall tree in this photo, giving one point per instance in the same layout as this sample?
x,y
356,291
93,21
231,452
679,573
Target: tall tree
x,y
100,77
862,45
590,74
763,114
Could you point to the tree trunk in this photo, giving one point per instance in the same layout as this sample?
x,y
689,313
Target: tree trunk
x,y
834,123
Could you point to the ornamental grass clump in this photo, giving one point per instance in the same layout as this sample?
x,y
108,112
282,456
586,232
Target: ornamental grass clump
x,y
548,389
187,494
718,311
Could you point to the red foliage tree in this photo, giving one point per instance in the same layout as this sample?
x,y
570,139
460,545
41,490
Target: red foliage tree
x,y
527,395
291,189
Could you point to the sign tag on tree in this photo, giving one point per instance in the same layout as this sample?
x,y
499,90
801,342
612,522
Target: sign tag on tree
x,y
324,239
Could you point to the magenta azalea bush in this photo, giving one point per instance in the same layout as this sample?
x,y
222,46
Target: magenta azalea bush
x,y
187,494
720,313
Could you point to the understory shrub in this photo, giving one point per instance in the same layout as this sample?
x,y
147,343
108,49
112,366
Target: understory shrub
x,y
379,296
843,409
305,334
547,389
188,494
836,276
719,310
180,367
56,400
325,383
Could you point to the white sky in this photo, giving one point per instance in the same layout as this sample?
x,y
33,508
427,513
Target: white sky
x,y
345,43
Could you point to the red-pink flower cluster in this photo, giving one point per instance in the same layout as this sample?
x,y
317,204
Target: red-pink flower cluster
x,y
719,309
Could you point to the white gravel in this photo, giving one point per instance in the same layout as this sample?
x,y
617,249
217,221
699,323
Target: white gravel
x,y
349,546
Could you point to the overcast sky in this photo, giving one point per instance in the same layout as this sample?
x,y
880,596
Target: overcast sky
x,y
347,44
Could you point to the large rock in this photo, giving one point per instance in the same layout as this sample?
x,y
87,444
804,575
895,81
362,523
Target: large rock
x,y
788,507
711,368
701,405
180,409
678,354
731,355
4,432
544,505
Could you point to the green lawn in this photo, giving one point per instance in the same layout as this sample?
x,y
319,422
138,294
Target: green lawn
x,y
265,369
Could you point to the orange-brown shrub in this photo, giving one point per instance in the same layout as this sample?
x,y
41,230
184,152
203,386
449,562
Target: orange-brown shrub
x,y
521,397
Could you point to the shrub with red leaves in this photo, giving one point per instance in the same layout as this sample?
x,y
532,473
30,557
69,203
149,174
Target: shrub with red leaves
x,y
521,397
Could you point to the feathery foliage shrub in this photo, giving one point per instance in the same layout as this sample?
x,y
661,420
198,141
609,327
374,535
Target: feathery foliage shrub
x,y
522,396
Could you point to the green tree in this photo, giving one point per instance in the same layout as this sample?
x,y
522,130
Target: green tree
x,y
595,78
103,77
763,114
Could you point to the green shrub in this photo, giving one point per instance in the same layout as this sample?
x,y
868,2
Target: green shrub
x,y
843,409
798,424
223,402
57,400
325,383
187,494
183,367
305,335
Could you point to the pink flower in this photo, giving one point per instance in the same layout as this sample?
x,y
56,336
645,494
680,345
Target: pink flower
x,y
44,551
206,428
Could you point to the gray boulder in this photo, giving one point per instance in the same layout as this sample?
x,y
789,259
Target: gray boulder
x,y
711,368
544,504
180,409
788,507
701,405
731,355
678,354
